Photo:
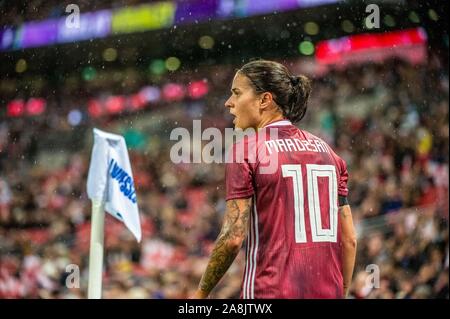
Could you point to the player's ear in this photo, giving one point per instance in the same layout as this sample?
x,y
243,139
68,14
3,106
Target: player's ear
x,y
266,100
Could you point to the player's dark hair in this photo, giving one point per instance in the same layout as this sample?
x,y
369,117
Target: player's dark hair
x,y
290,92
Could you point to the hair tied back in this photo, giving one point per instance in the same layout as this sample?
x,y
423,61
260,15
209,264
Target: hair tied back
x,y
295,80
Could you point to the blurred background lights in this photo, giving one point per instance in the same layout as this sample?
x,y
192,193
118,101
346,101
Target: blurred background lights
x,y
413,17
8,38
74,117
151,93
206,42
306,47
15,108
433,15
89,73
137,101
173,92
157,67
21,66
95,108
36,106
173,63
198,89
110,54
347,26
311,28
115,104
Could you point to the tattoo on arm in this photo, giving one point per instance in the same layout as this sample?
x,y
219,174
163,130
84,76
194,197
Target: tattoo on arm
x,y
233,231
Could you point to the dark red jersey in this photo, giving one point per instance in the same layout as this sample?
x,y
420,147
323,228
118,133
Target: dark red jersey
x,y
293,247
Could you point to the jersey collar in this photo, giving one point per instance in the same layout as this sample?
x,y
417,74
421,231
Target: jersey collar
x,y
279,123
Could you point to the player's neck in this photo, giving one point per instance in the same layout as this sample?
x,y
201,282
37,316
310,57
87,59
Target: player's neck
x,y
269,120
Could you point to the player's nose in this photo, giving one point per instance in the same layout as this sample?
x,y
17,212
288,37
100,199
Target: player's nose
x,y
228,103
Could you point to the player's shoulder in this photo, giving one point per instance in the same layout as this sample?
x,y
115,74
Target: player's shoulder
x,y
332,151
310,136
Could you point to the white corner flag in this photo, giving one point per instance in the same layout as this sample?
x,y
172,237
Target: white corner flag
x,y
110,186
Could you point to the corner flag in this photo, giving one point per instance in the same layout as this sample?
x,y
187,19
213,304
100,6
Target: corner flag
x,y
110,180
110,186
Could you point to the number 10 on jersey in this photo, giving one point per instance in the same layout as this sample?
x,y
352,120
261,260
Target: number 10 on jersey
x,y
313,172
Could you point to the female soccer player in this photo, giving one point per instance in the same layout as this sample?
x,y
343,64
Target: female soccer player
x,y
301,241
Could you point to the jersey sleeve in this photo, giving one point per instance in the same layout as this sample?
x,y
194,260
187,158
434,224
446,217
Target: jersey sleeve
x,y
343,177
239,179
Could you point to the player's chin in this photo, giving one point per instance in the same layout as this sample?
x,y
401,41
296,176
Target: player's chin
x,y
238,127
235,123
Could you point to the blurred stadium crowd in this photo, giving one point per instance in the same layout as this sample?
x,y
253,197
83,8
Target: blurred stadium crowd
x,y
389,122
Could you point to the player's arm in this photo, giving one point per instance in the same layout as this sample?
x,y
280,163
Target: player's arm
x,y
228,244
348,237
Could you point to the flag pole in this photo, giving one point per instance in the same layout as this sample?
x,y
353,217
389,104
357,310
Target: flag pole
x,y
96,250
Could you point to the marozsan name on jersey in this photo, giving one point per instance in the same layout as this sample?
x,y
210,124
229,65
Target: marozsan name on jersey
x,y
295,144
